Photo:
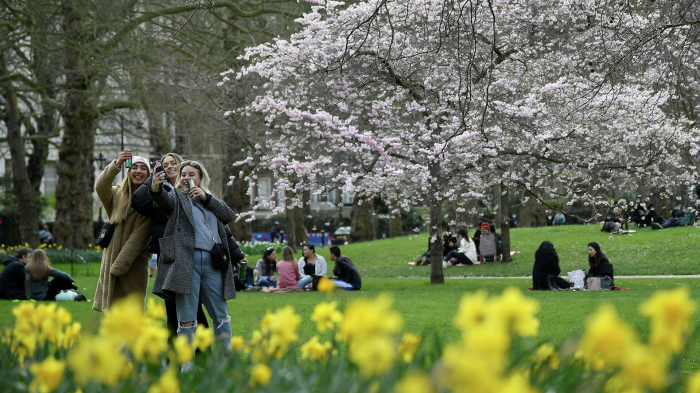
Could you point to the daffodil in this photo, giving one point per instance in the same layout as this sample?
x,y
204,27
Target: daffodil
x,y
414,382
48,375
237,344
607,337
546,357
203,337
183,349
124,320
152,343
315,350
693,384
516,312
167,383
473,310
260,375
326,315
366,318
325,285
155,310
408,346
464,372
372,356
670,316
279,329
97,359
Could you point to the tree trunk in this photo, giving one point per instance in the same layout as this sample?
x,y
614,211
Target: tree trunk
x,y
296,232
24,193
40,148
395,223
76,179
236,197
437,276
505,225
362,226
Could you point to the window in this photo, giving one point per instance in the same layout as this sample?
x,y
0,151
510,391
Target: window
x,y
50,177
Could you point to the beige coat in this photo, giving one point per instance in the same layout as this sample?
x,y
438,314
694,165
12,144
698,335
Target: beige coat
x,y
124,267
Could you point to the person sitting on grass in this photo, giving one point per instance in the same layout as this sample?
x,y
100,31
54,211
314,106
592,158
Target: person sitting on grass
x,y
37,284
599,264
12,275
266,268
545,272
677,215
346,274
311,266
615,221
466,253
287,273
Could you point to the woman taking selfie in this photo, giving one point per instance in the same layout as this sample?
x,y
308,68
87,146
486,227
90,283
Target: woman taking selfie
x,y
266,267
170,168
194,259
124,268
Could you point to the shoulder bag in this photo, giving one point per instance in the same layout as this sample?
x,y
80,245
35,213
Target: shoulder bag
x,y
598,283
105,235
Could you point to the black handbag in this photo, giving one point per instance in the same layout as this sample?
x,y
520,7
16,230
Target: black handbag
x,y
105,235
219,257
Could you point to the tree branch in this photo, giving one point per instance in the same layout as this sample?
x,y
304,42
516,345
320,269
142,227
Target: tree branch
x,y
118,105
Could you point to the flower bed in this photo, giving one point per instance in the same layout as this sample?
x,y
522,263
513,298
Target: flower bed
x,y
360,347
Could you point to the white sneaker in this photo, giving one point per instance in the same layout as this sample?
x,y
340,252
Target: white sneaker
x,y
187,367
445,264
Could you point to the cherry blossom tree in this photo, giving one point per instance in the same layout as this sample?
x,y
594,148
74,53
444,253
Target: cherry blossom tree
x,y
441,100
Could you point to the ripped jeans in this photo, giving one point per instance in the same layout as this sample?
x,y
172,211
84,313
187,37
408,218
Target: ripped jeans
x,y
208,283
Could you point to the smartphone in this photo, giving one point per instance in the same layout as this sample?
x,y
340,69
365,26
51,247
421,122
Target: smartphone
x,y
160,171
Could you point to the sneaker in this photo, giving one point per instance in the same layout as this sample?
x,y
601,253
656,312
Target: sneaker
x,y
656,225
252,289
187,367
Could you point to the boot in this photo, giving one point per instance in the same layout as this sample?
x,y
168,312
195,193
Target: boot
x,y
553,283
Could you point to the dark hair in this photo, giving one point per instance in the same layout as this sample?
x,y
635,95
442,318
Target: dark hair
x,y
269,263
547,249
599,257
21,252
335,250
463,233
310,247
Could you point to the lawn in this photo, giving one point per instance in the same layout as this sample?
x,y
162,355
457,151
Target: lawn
x,y
430,308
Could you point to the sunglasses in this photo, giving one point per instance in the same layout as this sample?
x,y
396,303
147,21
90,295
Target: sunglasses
x,y
190,163
270,248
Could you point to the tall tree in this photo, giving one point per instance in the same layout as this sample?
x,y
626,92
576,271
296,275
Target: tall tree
x,y
455,98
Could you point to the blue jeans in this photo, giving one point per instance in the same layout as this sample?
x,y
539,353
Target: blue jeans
x,y
208,283
265,282
305,281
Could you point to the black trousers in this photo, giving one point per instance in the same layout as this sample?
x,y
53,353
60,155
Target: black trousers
x,y
461,258
57,285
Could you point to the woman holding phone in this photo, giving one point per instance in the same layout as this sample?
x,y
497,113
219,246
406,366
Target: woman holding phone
x,y
194,252
168,168
124,267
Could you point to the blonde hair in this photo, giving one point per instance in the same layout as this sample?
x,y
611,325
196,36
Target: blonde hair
x,y
288,254
121,210
178,161
38,267
204,178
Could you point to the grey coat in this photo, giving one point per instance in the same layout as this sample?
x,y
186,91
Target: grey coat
x,y
176,261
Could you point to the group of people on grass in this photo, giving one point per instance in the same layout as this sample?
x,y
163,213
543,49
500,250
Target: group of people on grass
x,y
546,270
459,249
644,215
168,210
26,276
294,276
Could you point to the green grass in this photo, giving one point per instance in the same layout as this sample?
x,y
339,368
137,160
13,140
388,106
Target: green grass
x,y
430,308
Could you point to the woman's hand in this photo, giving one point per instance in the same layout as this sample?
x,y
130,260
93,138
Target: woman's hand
x,y
197,192
157,180
255,271
123,156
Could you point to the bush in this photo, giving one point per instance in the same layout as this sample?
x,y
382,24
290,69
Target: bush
x,y
359,348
